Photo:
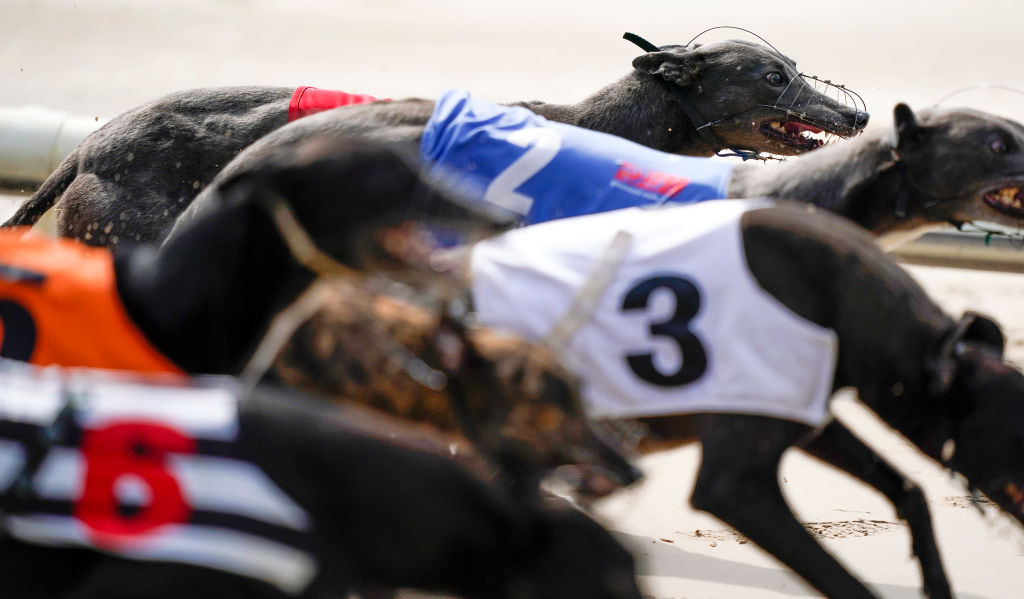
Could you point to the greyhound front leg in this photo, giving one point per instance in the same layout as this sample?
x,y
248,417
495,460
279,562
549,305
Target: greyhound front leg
x,y
838,446
738,483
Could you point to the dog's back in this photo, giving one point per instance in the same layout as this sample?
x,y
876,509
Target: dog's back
x,y
158,154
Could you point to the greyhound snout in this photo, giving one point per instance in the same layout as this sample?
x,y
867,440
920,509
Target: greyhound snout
x,y
860,119
824,105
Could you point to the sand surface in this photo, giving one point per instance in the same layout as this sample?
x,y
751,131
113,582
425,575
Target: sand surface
x,y
101,57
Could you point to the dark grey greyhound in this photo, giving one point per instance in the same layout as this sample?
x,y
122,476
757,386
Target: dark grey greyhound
x,y
941,383
130,179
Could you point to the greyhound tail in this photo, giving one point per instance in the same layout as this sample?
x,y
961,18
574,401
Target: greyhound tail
x,y
43,199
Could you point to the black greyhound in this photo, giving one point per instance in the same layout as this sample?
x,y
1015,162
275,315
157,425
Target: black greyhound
x,y
940,383
335,500
941,166
206,300
129,180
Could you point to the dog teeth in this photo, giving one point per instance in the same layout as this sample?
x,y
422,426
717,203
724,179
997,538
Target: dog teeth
x,y
794,132
1008,196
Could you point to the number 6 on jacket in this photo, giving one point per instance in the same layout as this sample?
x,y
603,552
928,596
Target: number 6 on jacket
x,y
126,451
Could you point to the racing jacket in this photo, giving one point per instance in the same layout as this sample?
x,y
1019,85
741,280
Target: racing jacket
x,y
146,469
309,100
516,164
59,305
658,313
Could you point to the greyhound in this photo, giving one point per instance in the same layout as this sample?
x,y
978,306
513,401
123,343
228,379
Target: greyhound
x,y
885,180
266,494
941,167
940,383
129,180
849,318
202,304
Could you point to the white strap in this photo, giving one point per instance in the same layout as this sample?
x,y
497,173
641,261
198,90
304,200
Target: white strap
x,y
586,299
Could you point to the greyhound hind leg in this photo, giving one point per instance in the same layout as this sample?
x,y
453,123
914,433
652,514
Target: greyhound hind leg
x,y
839,447
738,483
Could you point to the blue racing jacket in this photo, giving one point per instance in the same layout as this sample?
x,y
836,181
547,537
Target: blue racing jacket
x,y
510,161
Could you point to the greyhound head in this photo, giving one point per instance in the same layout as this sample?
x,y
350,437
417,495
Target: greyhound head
x,y
960,165
752,97
510,397
982,419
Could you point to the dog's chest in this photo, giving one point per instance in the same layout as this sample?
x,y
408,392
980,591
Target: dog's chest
x,y
675,324
143,472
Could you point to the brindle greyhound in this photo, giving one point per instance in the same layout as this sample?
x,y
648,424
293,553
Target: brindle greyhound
x,y
352,342
380,506
129,180
940,383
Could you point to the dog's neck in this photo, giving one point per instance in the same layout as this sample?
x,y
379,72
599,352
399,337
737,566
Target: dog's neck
x,y
856,179
227,273
637,107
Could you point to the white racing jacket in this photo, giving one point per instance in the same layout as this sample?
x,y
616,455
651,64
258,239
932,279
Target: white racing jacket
x,y
680,327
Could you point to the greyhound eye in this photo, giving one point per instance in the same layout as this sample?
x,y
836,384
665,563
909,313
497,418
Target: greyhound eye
x,y
998,146
775,78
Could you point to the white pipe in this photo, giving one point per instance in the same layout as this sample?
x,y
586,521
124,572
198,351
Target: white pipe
x,y
34,140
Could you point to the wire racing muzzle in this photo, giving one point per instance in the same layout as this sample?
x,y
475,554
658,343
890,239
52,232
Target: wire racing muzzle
x,y
796,126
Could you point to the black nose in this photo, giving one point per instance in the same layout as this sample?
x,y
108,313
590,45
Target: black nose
x,y
860,119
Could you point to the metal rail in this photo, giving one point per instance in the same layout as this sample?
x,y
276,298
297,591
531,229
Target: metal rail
x,y
964,250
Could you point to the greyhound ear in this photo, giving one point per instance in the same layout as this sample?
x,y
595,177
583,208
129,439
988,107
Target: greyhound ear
x,y
907,129
674,67
985,331
943,366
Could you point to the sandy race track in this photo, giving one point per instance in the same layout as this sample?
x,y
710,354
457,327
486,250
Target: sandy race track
x,y
101,57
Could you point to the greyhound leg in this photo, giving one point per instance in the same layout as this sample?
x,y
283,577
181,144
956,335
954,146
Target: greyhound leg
x,y
838,446
738,483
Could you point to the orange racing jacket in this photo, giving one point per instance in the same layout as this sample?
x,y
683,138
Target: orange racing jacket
x,y
59,305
